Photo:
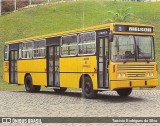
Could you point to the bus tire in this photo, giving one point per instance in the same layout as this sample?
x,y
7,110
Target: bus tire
x,y
87,88
29,86
124,92
61,90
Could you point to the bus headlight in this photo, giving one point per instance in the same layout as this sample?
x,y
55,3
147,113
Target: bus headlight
x,y
121,75
150,74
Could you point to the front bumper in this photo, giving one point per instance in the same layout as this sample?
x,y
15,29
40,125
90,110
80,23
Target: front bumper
x,y
116,84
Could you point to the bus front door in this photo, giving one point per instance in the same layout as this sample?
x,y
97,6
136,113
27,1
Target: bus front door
x,y
53,66
102,59
13,56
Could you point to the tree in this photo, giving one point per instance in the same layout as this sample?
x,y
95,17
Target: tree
x,y
121,15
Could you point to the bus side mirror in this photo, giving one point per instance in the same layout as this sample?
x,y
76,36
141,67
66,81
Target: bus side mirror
x,y
110,37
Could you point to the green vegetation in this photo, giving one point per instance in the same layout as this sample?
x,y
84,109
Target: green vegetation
x,y
5,86
121,15
72,15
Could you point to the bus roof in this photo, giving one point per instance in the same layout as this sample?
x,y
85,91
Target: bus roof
x,y
110,25
60,33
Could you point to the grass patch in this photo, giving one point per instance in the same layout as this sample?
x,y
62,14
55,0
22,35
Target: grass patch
x,y
14,87
71,15
4,87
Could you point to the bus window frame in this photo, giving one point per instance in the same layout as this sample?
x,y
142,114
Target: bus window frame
x,y
135,49
44,48
27,50
61,46
6,59
153,47
87,44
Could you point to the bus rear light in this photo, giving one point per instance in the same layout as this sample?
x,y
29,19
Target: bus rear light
x,y
114,68
95,70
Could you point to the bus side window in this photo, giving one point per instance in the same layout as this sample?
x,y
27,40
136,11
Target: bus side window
x,y
27,48
39,48
69,45
6,52
87,43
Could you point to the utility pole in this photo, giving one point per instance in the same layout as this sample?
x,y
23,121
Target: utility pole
x,y
15,5
30,2
0,7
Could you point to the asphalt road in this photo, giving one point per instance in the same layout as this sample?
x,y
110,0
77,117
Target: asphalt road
x,y
141,103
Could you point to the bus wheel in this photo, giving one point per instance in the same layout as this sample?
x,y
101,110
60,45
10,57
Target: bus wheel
x,y
87,88
29,86
61,90
124,92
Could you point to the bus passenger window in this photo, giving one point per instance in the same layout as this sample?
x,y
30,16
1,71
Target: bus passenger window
x,y
27,48
6,52
87,43
39,48
69,45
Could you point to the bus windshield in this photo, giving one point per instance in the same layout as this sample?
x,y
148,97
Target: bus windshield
x,y
128,48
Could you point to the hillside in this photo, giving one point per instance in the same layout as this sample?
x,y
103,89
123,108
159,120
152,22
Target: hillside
x,y
72,15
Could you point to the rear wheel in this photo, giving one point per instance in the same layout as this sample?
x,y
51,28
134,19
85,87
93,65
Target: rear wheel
x,y
124,92
61,90
87,88
29,86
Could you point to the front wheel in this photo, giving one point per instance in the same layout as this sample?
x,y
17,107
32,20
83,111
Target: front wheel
x,y
87,88
124,92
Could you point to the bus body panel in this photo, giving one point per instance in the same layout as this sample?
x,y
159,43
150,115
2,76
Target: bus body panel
x,y
39,79
69,80
71,70
35,67
72,80
85,64
21,77
32,66
94,80
132,70
136,75
133,84
6,71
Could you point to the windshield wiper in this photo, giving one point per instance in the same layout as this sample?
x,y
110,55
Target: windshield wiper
x,y
140,52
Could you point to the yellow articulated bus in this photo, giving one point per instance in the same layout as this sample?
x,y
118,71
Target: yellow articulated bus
x,y
116,56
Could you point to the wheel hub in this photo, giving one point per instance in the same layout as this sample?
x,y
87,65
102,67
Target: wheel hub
x,y
87,87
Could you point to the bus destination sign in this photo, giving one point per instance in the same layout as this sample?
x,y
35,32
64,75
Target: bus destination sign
x,y
136,29
102,33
